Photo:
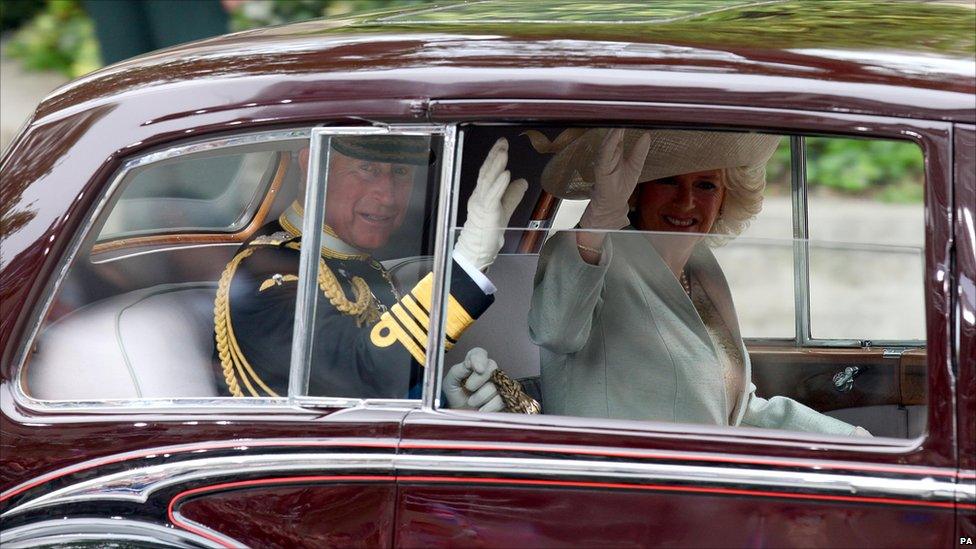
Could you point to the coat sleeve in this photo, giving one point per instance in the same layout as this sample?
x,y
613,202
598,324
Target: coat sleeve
x,y
785,413
382,359
405,326
567,295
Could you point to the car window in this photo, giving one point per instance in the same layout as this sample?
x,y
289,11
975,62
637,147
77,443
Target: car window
x,y
367,296
866,208
133,317
205,192
726,340
178,297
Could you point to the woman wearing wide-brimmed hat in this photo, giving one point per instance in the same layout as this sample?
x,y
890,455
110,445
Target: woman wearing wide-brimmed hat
x,y
641,325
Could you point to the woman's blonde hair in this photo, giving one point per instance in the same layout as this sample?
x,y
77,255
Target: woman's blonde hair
x,y
743,201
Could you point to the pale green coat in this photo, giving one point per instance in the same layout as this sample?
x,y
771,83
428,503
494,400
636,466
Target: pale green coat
x,y
622,340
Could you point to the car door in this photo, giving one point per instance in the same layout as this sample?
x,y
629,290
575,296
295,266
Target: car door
x,y
509,479
120,425
965,187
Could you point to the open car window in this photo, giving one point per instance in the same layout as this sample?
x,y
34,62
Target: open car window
x,y
807,316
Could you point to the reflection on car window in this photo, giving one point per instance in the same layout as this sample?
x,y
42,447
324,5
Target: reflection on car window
x,y
371,189
133,317
641,306
216,192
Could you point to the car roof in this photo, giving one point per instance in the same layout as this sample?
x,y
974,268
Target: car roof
x,y
908,59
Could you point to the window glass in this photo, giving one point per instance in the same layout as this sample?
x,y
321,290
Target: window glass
x,y
639,303
764,248
204,192
772,229
865,203
369,327
133,318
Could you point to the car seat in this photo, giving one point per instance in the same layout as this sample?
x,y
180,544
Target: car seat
x,y
151,343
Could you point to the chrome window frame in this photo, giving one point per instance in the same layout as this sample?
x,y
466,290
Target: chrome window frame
x,y
308,267
299,405
801,259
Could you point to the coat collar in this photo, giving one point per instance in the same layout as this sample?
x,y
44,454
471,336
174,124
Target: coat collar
x,y
332,246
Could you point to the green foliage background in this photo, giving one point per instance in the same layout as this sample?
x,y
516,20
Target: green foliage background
x,y
876,169
261,13
60,37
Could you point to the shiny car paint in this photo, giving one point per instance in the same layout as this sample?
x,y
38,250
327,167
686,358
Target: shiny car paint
x,y
220,473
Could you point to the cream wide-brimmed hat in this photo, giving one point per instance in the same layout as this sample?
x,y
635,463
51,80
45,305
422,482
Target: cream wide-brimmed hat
x,y
569,174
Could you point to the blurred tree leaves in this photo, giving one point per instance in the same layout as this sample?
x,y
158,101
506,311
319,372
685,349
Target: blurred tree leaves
x,y
261,13
60,37
876,169
886,170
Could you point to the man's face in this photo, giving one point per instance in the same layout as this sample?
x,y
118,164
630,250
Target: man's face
x,y
366,201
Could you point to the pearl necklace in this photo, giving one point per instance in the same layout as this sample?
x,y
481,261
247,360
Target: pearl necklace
x,y
685,285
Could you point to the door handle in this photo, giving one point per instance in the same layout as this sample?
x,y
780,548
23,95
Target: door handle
x,y
844,379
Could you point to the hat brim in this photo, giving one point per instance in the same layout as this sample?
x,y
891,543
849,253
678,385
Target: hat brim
x,y
570,173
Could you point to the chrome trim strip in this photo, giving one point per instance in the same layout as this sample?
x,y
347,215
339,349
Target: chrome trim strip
x,y
70,530
446,208
252,138
926,489
196,406
163,250
138,484
801,247
197,448
39,312
966,492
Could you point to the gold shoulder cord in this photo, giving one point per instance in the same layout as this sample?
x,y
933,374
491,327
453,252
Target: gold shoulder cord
x,y
364,308
232,360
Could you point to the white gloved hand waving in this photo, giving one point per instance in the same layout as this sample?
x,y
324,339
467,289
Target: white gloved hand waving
x,y
490,208
615,175
468,385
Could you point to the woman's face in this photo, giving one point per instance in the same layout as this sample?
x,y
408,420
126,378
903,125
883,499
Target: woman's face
x,y
688,203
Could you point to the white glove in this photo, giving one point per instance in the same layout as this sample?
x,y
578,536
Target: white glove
x,y
615,177
490,208
477,391
861,432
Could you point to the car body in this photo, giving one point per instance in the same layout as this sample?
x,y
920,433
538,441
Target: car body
x,y
406,473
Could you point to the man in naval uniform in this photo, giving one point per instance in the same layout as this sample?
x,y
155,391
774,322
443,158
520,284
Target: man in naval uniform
x,y
369,340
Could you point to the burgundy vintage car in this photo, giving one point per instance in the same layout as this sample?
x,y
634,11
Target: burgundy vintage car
x,y
128,195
